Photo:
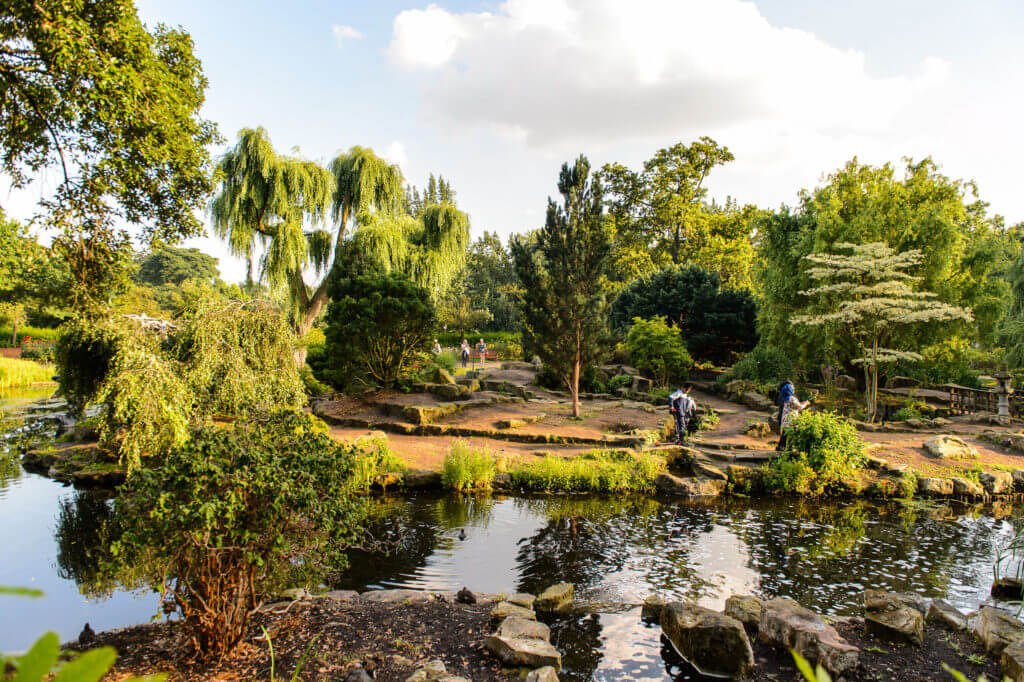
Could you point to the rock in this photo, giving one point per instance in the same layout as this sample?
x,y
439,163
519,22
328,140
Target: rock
x,y
707,470
505,609
514,626
464,596
915,423
758,429
296,593
756,401
900,625
687,487
545,674
472,385
1018,480
1012,661
435,669
652,608
997,629
785,623
712,642
996,482
872,462
524,651
450,391
963,487
679,457
935,487
894,468
523,599
745,609
358,675
878,600
949,447
1007,589
419,479
395,596
510,423
944,613
443,376
902,382
341,595
846,382
401,661
555,598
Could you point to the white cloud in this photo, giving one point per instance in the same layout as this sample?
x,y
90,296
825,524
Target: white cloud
x,y
395,153
600,71
344,33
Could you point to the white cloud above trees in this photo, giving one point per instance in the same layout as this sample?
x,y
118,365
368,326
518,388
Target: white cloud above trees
x,y
343,34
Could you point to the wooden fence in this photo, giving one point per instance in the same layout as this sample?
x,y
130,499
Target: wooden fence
x,y
969,400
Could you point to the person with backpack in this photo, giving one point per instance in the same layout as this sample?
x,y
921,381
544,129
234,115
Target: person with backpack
x,y
682,407
789,407
464,352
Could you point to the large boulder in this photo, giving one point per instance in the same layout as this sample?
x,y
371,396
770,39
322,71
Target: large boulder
x,y
963,487
949,447
515,626
555,598
442,376
422,478
784,623
756,401
947,615
713,642
997,629
880,600
935,487
846,382
688,487
996,482
1012,661
745,609
652,608
895,617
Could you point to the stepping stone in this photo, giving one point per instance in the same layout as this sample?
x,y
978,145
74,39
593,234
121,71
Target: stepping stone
x,y
944,613
555,598
515,626
712,642
524,651
505,609
745,609
784,623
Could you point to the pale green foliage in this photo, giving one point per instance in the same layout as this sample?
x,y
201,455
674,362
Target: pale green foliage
x,y
146,404
868,294
14,373
657,350
364,182
600,471
373,457
811,675
238,358
467,468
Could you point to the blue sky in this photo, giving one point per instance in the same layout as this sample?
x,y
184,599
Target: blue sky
x,y
496,95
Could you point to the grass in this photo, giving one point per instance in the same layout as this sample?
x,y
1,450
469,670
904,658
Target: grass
x,y
17,373
467,468
373,458
37,333
600,471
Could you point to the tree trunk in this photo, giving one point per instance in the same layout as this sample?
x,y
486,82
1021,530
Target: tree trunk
x,y
14,334
574,387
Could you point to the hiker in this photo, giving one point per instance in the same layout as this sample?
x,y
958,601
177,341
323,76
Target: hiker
x,y
682,407
437,347
789,408
464,352
482,349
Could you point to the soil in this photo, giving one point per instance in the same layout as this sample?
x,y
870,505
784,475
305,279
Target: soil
x,y
880,660
390,640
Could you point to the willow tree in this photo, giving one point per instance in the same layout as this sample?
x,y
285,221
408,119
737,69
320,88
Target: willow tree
x,y
868,295
275,206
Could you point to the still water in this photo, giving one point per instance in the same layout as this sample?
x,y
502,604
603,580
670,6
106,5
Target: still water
x,y
615,551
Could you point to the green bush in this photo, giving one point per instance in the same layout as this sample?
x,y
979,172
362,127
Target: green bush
x,y
825,455
657,350
905,413
600,471
84,352
620,381
373,458
763,365
907,485
227,517
467,468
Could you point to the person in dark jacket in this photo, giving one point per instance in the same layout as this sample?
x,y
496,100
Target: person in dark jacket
x,y
682,408
789,409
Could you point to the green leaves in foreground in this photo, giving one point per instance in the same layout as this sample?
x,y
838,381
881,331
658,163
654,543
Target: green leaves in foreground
x,y
40,660
812,675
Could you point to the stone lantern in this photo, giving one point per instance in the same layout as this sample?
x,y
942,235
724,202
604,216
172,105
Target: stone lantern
x,y
1004,388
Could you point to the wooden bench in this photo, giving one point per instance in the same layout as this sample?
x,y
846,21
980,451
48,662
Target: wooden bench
x,y
474,356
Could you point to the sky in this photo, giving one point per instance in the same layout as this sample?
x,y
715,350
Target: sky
x,y
497,95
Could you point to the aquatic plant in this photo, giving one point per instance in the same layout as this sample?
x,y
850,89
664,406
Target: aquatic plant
x,y
607,471
467,468
16,373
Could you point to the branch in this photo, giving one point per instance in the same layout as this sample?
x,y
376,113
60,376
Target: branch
x,y
46,122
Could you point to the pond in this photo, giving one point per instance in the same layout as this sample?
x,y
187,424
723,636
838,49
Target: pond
x,y
616,552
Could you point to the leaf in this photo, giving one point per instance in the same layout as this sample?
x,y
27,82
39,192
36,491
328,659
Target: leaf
x,y
805,668
89,667
38,661
20,591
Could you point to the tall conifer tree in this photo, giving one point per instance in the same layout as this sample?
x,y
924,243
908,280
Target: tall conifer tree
x,y
564,301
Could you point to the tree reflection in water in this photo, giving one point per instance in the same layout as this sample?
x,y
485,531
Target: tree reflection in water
x,y
82,541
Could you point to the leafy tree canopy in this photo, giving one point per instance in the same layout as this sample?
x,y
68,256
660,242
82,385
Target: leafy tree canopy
x,y
172,265
714,322
86,88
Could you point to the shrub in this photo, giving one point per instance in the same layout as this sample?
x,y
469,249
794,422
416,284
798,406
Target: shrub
x,y
220,519
313,385
905,413
620,381
467,468
708,420
84,352
372,458
607,471
657,350
715,323
763,365
907,485
824,455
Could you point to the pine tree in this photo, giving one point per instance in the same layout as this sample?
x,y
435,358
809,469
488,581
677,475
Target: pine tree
x,y
564,301
868,294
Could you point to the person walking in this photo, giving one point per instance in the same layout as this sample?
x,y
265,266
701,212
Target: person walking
x,y
481,348
437,347
682,407
789,407
464,352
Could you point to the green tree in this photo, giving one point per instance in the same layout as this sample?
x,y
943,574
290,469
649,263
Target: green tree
x,y
85,88
377,323
714,322
172,265
564,301
488,284
965,252
867,296
657,350
232,514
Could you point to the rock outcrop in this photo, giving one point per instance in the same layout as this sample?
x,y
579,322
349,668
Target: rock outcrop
x,y
784,623
712,642
949,447
997,629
